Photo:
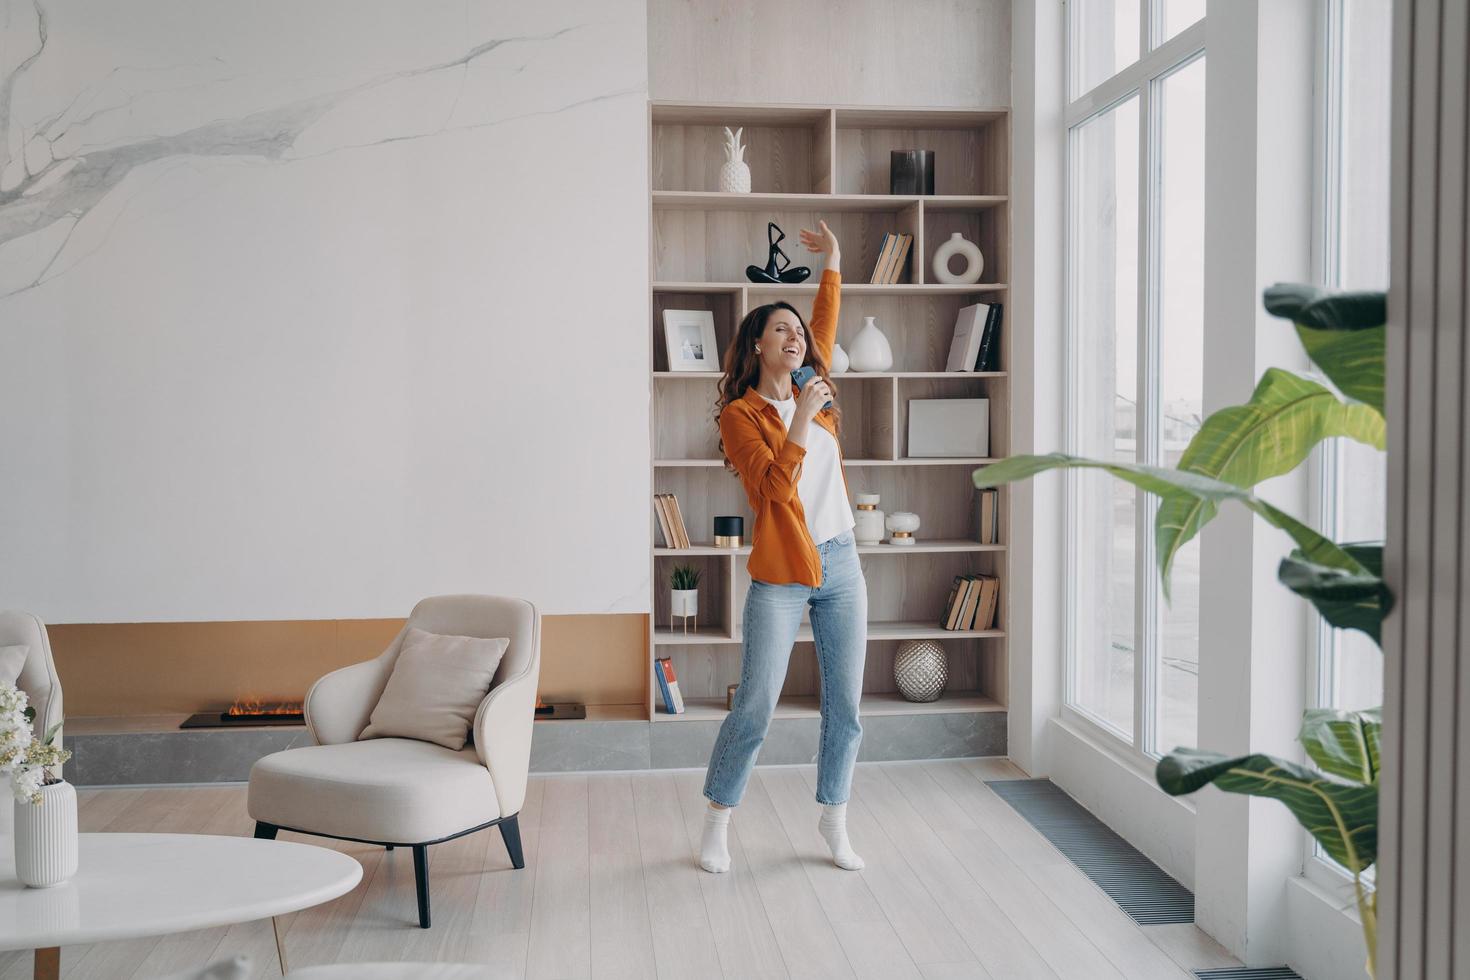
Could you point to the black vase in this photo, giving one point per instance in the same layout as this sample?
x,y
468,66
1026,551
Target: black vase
x,y
911,172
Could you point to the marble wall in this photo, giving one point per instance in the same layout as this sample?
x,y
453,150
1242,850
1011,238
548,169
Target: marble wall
x,y
310,309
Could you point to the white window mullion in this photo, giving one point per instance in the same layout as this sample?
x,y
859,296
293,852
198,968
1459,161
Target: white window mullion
x,y
1148,617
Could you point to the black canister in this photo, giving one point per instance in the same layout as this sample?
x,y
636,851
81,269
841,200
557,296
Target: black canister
x,y
911,172
729,531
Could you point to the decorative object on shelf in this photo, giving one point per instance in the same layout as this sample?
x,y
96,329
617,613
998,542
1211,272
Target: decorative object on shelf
x,y
777,272
684,595
958,245
948,427
45,804
911,171
689,340
840,361
869,527
893,257
870,350
668,685
729,531
920,669
735,174
902,524
730,697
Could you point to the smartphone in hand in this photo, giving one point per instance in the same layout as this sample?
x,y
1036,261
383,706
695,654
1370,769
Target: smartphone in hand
x,y
801,376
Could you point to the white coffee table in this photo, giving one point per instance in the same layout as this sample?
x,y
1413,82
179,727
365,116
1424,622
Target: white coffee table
x,y
130,885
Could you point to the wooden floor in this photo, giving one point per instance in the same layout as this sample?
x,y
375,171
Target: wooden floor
x,y
957,885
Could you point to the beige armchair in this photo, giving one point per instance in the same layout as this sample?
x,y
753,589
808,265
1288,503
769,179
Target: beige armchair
x,y
38,678
403,792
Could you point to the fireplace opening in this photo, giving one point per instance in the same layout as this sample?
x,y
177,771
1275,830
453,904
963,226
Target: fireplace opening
x,y
249,711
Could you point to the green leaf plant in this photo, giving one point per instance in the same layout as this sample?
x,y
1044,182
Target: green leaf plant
x,y
1235,449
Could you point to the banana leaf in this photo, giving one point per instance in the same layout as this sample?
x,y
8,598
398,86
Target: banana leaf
x,y
1343,817
1344,334
1344,743
1346,600
1176,487
1269,435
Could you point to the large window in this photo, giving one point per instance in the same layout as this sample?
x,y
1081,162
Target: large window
x,y
1135,324
1352,253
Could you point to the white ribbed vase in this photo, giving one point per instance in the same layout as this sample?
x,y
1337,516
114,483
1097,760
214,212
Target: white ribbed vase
x,y
46,837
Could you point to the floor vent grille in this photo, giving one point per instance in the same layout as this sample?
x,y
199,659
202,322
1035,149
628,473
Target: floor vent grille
x,y
1140,887
1249,973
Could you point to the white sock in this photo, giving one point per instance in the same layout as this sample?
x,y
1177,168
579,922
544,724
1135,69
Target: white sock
x,y
833,826
714,852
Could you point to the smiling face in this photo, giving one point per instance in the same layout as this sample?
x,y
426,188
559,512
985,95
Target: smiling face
x,y
783,343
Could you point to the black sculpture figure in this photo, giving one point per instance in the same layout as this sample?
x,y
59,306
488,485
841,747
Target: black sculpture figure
x,y
773,272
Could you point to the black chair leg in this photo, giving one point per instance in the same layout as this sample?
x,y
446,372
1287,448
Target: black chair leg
x,y
388,847
265,831
421,880
510,829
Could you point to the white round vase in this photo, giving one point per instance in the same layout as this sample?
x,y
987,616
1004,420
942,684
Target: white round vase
x,y
958,245
870,350
868,526
840,361
902,525
46,837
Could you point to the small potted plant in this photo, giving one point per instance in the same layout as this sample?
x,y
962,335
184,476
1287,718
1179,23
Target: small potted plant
x,y
684,595
45,804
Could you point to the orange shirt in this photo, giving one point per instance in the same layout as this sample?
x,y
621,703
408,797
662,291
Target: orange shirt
x,y
782,551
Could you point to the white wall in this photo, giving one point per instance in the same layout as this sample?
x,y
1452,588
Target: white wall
x,y
854,52
311,310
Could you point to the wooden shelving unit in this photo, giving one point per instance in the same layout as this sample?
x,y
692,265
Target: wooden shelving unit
x,y
830,162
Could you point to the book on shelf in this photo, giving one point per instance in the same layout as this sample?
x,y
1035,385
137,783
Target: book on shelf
x,y
976,586
989,515
988,357
900,257
668,685
951,611
670,520
969,331
883,254
989,600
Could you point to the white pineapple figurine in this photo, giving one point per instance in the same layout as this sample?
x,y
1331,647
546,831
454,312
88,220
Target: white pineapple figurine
x,y
735,174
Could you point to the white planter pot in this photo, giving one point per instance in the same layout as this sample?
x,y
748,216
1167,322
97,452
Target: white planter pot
x,y
46,837
684,602
958,245
870,350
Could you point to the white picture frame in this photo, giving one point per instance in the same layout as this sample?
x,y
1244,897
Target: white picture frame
x,y
689,340
949,427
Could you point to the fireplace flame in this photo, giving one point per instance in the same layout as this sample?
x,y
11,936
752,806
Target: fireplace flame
x,y
255,706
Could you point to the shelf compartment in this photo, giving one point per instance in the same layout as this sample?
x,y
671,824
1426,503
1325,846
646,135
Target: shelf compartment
x,y
724,305
956,386
876,631
970,149
806,706
714,598
702,200
988,229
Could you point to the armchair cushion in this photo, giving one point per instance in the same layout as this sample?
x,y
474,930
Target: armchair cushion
x,y
12,660
436,687
388,790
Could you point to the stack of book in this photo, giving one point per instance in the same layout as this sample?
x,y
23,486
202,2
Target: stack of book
x,y
972,603
668,685
670,520
892,256
976,343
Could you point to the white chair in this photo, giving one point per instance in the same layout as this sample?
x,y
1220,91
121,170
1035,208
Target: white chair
x,y
38,678
404,792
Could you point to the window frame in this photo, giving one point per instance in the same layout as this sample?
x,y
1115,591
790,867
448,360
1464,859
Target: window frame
x,y
1142,79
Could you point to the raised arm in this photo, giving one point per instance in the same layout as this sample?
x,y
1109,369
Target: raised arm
x,y
766,475
823,323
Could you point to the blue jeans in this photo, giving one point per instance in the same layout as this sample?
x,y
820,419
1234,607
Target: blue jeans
x,y
840,628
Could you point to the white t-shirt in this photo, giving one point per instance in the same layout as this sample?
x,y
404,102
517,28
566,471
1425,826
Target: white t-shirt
x,y
820,487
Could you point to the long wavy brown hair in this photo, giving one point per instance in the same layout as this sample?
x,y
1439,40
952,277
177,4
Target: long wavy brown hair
x,y
742,364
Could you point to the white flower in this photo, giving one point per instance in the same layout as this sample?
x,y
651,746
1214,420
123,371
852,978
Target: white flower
x,y
25,783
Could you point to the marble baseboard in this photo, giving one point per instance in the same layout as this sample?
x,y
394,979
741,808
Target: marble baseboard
x,y
129,758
